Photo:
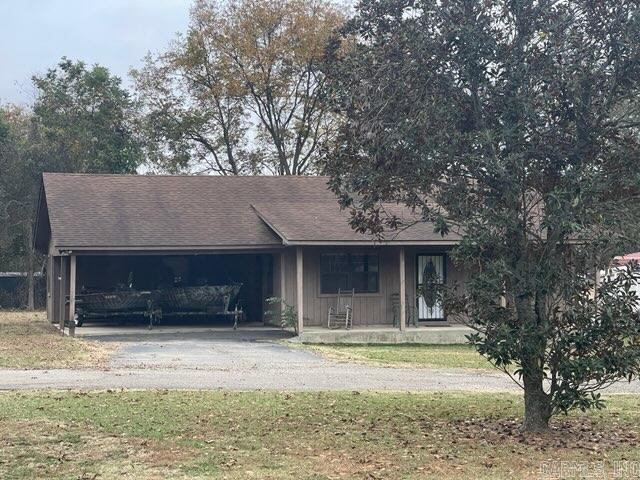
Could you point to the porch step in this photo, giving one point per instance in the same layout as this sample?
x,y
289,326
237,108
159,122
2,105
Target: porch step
x,y
425,335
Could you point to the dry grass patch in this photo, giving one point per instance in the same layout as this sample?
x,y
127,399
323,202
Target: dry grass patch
x,y
313,436
409,355
27,340
46,449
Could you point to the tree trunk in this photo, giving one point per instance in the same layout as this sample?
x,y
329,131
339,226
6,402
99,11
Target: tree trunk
x,y
29,264
537,404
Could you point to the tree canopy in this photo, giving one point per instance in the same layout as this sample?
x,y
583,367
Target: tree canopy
x,y
18,186
516,125
241,91
81,122
84,120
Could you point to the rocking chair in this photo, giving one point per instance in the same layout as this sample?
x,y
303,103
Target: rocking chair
x,y
342,315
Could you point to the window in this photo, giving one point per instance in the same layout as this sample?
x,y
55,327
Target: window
x,y
349,271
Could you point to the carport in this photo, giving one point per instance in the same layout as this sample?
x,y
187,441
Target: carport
x,y
108,232
254,271
73,274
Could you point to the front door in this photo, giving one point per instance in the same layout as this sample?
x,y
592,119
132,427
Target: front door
x,y
431,272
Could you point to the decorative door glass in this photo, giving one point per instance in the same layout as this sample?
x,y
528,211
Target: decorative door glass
x,y
431,273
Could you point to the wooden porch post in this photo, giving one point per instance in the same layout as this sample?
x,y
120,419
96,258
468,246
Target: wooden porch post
x,y
55,290
72,296
50,280
299,289
403,291
64,284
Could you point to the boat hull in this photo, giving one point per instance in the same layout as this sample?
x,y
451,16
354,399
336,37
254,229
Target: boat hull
x,y
213,299
114,302
206,299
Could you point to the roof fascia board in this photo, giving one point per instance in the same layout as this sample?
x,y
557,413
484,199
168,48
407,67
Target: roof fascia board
x,y
158,250
372,242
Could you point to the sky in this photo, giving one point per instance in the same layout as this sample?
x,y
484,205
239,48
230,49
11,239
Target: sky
x,y
35,34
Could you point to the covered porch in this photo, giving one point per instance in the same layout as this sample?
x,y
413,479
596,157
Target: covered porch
x,y
383,285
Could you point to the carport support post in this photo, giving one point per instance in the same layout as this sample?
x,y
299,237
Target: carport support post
x,y
64,278
55,291
72,296
403,291
299,289
283,284
51,279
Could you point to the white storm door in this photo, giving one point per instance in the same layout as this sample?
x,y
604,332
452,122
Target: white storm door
x,y
425,264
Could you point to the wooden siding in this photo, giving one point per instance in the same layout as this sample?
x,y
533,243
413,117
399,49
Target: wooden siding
x,y
369,309
289,262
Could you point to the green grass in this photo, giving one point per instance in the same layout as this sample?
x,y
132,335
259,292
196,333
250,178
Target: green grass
x,y
424,356
27,340
247,435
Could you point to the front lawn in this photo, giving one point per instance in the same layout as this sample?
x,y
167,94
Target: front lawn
x,y
159,434
425,356
27,340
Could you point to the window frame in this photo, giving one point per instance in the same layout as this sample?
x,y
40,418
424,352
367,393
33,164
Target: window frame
x,y
349,273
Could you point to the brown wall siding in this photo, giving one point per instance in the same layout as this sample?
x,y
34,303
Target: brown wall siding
x,y
289,276
64,288
369,309
273,315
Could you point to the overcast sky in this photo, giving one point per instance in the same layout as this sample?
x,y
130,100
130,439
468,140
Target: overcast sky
x,y
35,34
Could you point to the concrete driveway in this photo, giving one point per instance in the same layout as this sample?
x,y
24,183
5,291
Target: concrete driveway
x,y
254,359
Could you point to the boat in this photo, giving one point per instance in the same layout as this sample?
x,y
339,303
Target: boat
x,y
212,299
111,304
208,299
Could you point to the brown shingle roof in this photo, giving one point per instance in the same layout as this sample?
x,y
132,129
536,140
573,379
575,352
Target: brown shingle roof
x,y
309,223
136,212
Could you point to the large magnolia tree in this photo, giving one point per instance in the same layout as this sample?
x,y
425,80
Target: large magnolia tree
x,y
241,91
514,124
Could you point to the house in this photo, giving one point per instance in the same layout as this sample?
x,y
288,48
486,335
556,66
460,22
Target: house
x,y
280,236
624,260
